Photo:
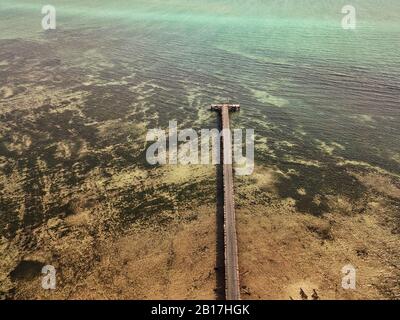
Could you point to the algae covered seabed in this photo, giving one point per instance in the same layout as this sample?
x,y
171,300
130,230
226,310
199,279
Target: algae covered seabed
x,y
76,191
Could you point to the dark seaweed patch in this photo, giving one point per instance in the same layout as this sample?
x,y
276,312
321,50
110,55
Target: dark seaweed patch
x,y
27,270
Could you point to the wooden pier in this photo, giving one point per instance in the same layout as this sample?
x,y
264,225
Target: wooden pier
x,y
232,284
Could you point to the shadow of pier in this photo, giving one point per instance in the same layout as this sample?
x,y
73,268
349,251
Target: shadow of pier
x,y
220,241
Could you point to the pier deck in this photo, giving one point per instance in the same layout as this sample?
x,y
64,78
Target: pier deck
x,y
232,285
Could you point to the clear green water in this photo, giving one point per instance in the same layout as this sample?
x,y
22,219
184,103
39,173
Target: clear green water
x,y
304,83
